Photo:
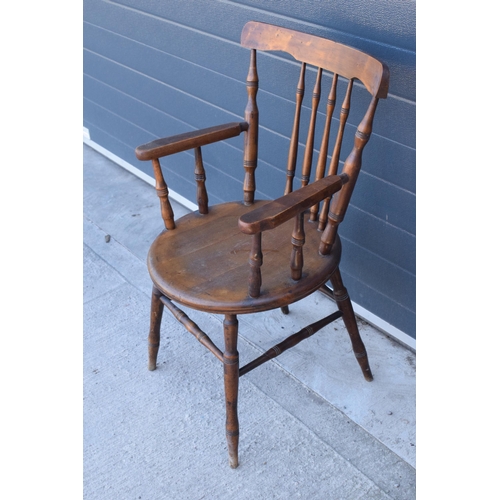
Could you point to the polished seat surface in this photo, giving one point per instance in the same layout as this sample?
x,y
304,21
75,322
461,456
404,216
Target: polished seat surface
x,y
203,262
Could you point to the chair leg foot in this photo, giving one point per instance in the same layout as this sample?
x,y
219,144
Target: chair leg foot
x,y
233,451
231,381
154,329
285,310
344,304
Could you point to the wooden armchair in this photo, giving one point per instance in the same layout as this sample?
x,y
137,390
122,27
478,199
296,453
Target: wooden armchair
x,y
252,255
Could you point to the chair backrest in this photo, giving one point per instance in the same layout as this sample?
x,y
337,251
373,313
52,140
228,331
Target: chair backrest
x,y
344,62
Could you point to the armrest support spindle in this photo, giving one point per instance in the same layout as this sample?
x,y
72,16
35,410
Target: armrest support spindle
x,y
162,191
182,142
298,240
255,261
200,177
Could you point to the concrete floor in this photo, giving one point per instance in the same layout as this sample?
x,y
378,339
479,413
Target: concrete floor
x,y
310,426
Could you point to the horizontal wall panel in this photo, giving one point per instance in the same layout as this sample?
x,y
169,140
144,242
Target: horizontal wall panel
x,y
379,237
182,184
123,129
380,305
153,69
391,23
276,152
168,37
385,201
157,64
391,162
210,86
390,280
224,180
156,94
224,155
377,39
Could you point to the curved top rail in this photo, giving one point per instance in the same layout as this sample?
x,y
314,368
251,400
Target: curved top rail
x,y
327,54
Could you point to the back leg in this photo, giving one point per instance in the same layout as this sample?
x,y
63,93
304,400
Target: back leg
x,y
154,328
344,304
231,382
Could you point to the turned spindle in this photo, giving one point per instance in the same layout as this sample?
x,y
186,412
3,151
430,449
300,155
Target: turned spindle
x,y
294,139
351,169
162,191
200,177
298,240
308,154
323,153
334,163
255,261
251,135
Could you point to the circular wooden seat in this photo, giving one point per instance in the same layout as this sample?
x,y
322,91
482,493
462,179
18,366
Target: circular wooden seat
x,y
203,262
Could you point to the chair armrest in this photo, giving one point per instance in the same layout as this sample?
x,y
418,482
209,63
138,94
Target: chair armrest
x,y
188,140
282,209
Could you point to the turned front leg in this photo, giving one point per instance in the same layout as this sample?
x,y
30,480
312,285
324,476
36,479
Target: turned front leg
x,y
154,328
231,380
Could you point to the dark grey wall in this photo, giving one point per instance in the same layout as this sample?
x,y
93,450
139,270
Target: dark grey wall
x,y
154,68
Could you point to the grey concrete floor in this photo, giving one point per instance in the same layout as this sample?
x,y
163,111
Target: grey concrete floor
x,y
310,426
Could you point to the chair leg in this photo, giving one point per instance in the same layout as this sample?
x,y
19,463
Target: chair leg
x,y
285,310
154,328
344,304
231,380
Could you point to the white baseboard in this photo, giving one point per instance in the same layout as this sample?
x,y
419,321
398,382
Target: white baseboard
x,y
372,319
139,173
387,328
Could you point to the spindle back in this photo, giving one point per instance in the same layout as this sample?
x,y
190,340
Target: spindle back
x,y
344,62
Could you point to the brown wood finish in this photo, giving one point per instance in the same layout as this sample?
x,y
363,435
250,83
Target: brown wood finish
x,y
199,174
255,260
274,213
344,303
252,255
189,140
320,52
308,154
204,263
320,169
154,329
231,380
298,240
252,133
162,191
334,163
294,140
352,167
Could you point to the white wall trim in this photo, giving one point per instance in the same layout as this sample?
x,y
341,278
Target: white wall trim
x,y
387,328
139,173
372,319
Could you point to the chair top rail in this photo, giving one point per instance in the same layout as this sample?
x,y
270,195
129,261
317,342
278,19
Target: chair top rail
x,y
327,54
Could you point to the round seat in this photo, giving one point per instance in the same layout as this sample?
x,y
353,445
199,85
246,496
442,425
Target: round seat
x,y
203,262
